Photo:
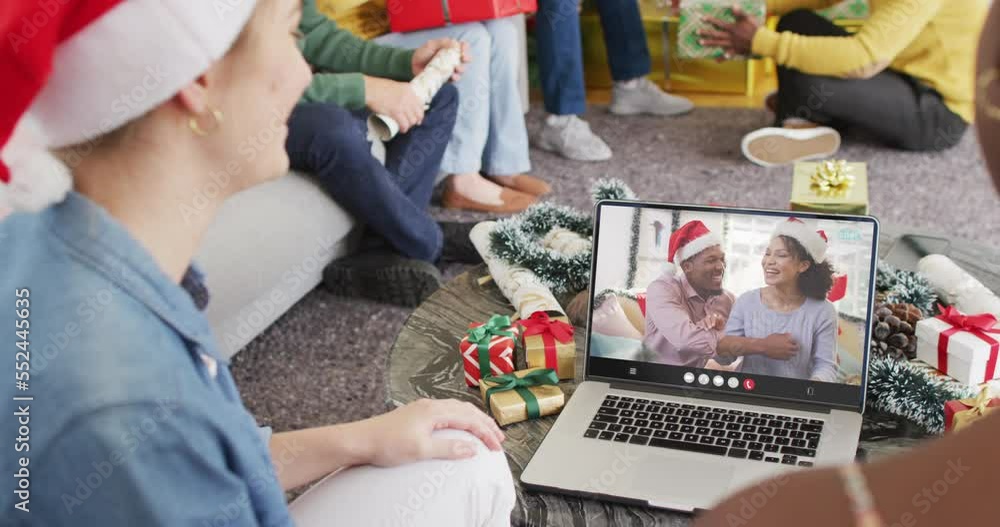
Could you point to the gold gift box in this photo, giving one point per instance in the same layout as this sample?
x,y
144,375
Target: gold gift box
x,y
534,353
509,407
852,199
704,75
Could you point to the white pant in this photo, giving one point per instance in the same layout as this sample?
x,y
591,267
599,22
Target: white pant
x,y
475,492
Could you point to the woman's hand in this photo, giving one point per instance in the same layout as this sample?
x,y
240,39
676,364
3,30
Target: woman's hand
x,y
734,38
405,436
423,55
780,346
394,99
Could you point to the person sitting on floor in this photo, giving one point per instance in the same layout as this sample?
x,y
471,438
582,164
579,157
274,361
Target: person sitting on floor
x,y
328,137
902,489
139,420
905,77
560,66
490,136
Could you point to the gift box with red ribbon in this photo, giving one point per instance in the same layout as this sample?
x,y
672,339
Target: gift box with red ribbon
x,y
964,347
488,349
413,15
962,413
548,343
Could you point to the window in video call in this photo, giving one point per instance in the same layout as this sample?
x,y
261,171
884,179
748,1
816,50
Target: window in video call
x,y
733,301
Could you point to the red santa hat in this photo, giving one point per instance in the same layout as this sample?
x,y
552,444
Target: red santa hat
x,y
689,240
814,241
74,70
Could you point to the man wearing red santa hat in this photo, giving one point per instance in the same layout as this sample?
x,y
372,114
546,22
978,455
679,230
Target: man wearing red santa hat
x,y
686,312
126,412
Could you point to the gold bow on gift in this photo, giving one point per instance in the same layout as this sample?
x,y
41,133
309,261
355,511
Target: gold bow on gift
x,y
832,178
978,407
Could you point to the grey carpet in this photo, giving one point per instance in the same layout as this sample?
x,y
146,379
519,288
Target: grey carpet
x,y
324,361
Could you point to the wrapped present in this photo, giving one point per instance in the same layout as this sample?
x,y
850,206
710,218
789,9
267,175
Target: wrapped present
x,y
847,10
960,346
548,343
488,349
412,15
960,414
522,395
835,187
692,21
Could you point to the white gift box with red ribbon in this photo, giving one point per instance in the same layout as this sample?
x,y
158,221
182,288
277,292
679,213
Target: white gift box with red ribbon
x,y
963,347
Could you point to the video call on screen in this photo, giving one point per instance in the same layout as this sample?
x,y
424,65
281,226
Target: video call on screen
x,y
731,292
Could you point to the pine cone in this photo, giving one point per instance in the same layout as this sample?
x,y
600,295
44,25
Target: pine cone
x,y
892,331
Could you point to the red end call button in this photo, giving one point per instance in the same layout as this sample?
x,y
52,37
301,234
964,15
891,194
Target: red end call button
x,y
749,385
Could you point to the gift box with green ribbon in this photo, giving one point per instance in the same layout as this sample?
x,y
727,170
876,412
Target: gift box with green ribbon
x,y
522,395
692,21
488,349
548,343
836,187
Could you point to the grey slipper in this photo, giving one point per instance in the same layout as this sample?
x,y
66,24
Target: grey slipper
x,y
383,276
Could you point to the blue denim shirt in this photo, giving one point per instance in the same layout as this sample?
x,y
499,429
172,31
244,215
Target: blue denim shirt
x,y
135,418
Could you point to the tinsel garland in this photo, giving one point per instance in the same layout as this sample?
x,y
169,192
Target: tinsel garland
x,y
624,293
633,250
905,390
516,240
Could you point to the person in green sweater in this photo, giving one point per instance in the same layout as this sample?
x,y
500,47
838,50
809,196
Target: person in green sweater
x,y
328,138
905,77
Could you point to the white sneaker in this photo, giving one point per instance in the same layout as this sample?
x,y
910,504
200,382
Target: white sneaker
x,y
780,146
646,98
571,137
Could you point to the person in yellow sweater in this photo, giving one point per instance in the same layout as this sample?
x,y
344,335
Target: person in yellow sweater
x,y
486,159
905,78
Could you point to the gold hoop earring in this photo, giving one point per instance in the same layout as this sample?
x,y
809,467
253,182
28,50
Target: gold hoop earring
x,y
216,114
983,83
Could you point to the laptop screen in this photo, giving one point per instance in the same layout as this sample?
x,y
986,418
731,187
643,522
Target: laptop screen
x,y
764,303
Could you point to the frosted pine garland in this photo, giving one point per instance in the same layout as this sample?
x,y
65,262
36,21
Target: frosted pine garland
x,y
906,287
899,388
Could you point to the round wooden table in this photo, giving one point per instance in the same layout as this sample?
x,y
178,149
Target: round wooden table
x,y
424,362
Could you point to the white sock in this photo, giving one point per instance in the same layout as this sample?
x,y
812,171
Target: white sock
x,y
629,84
477,188
558,121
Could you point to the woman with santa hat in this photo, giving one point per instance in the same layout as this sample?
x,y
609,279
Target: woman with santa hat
x,y
794,303
114,116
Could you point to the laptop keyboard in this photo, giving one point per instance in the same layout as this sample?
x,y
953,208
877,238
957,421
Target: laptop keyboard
x,y
757,436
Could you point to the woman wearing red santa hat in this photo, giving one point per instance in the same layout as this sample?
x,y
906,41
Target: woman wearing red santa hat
x,y
128,414
952,481
794,304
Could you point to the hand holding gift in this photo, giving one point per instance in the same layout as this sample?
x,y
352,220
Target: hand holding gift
x,y
522,395
734,37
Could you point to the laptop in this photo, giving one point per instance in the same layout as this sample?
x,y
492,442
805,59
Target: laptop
x,y
673,413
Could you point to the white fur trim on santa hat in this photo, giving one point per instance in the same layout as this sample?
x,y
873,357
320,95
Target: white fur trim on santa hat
x,y
130,60
38,178
806,235
696,246
124,64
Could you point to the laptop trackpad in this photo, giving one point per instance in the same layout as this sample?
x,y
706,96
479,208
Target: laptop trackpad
x,y
673,481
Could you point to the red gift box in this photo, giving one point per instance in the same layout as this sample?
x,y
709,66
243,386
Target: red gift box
x,y
962,413
412,15
494,343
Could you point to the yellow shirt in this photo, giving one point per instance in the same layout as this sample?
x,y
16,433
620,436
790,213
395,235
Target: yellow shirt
x,y
365,18
933,41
